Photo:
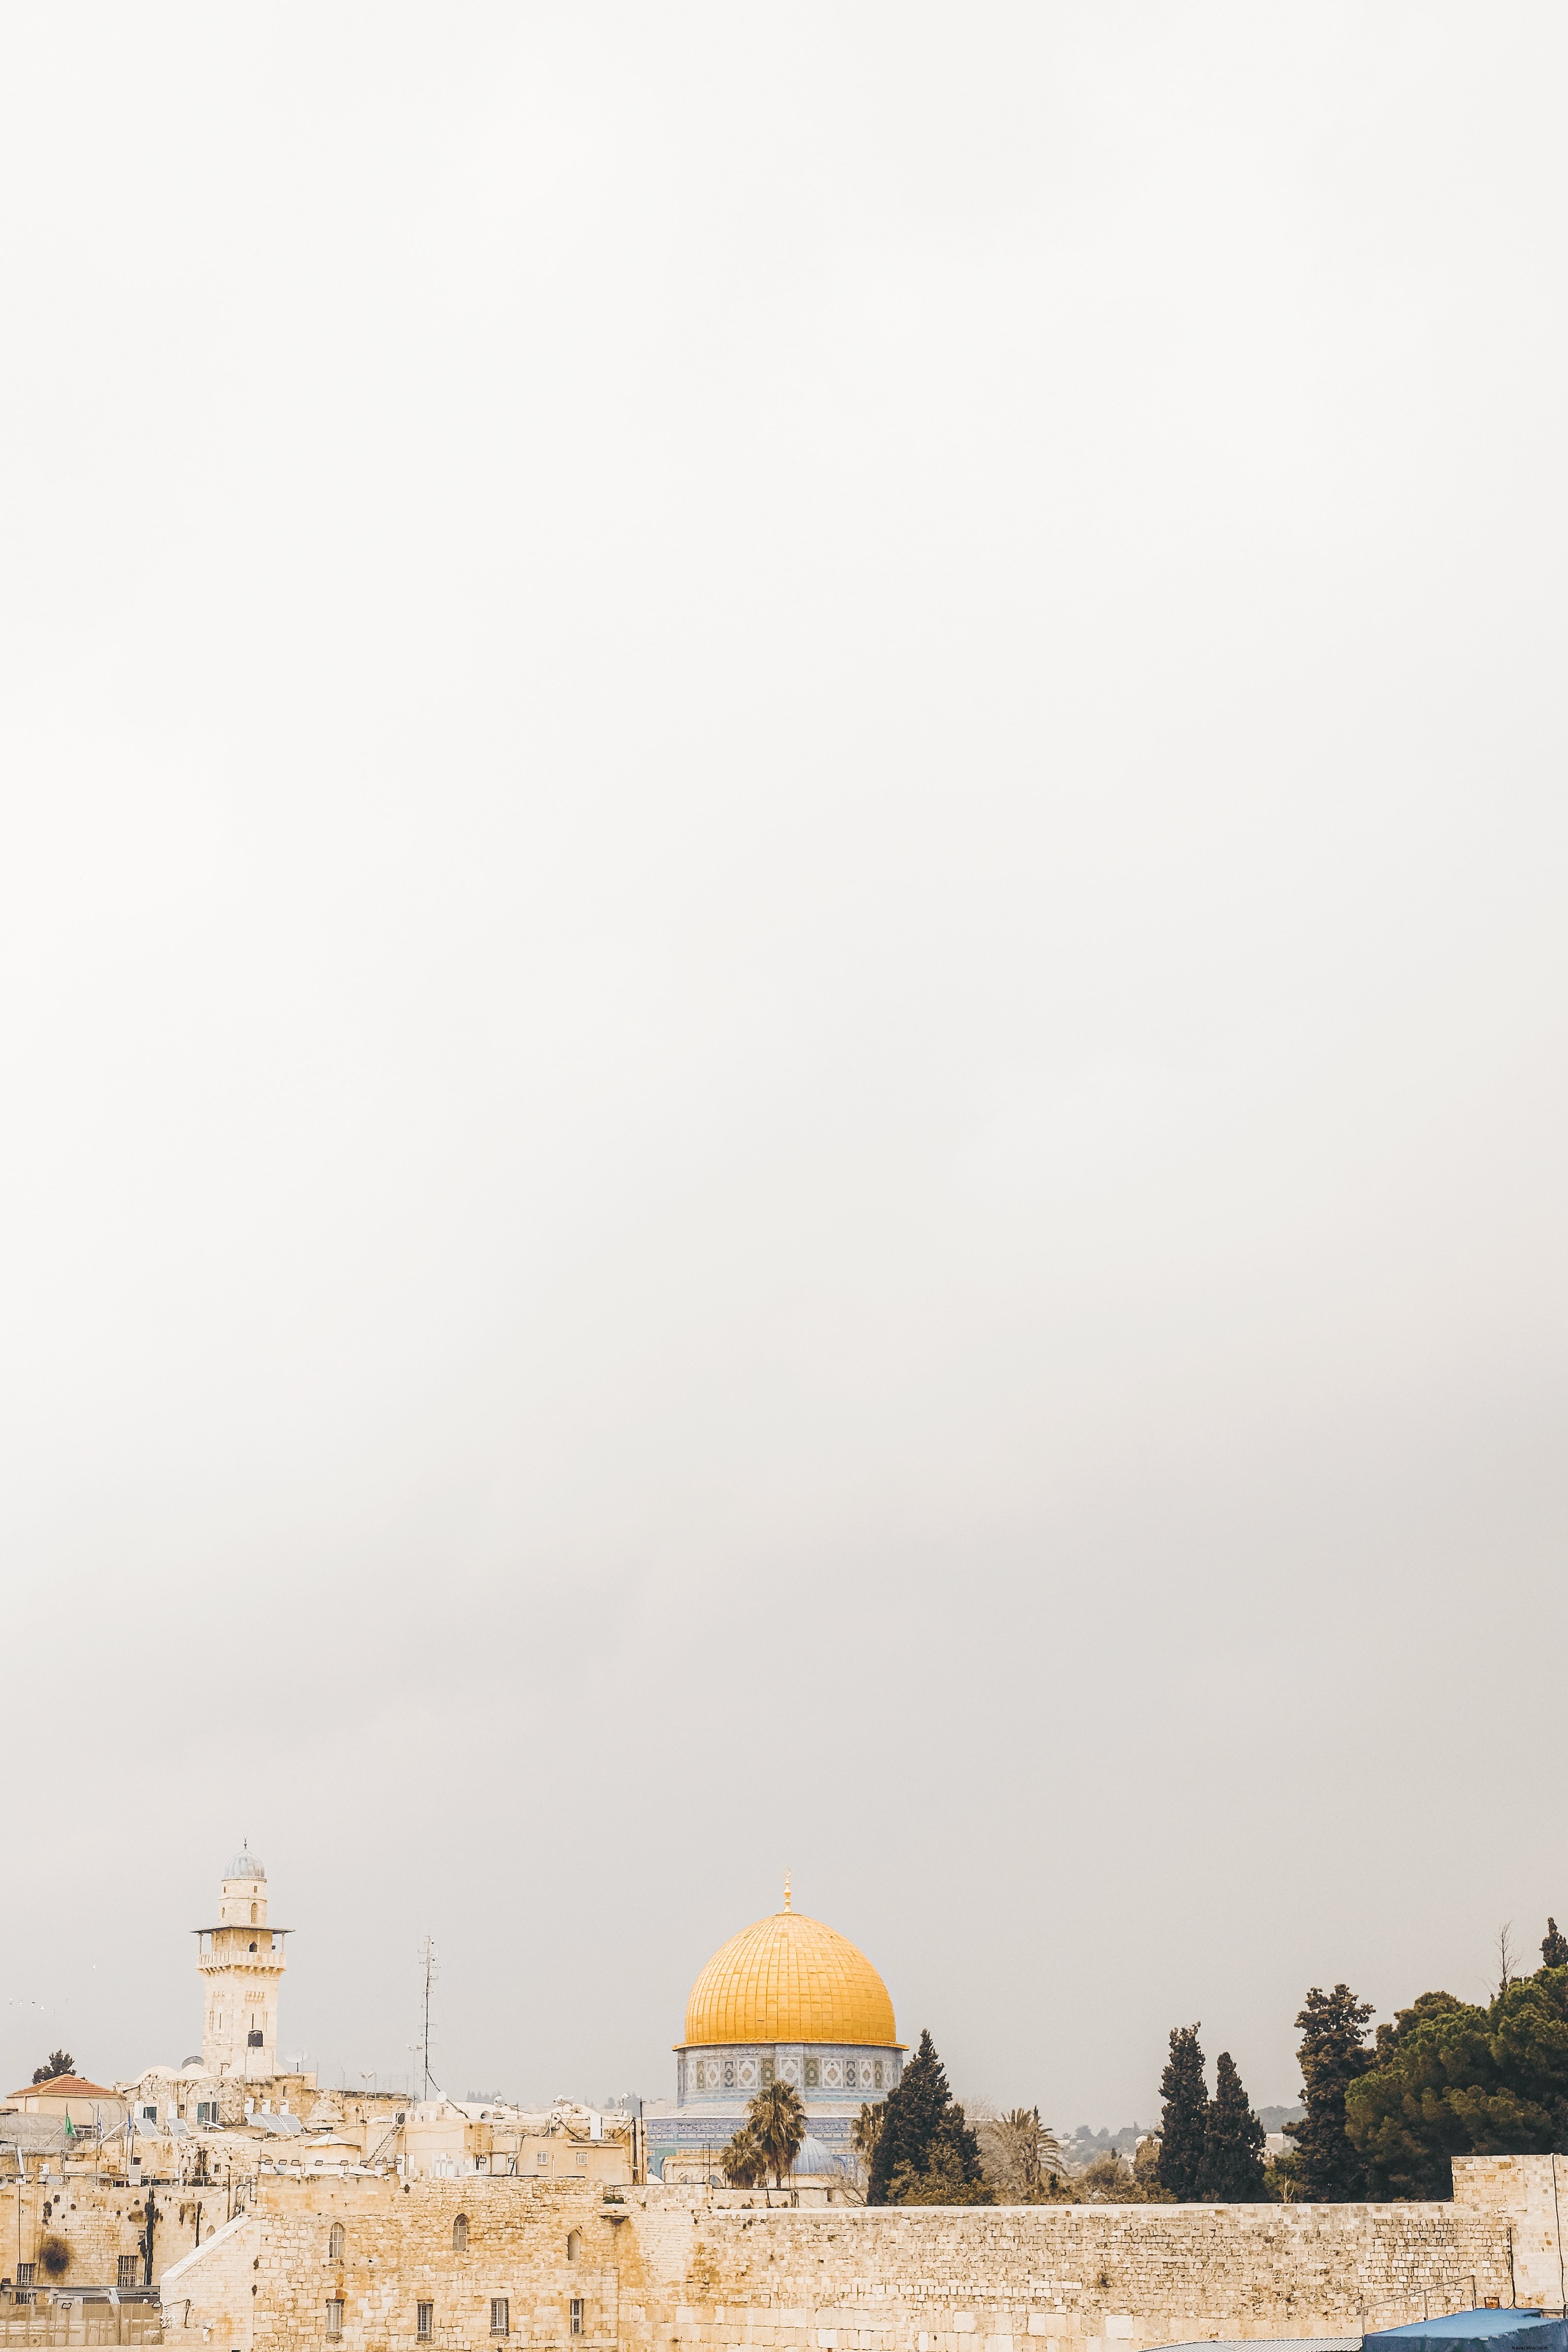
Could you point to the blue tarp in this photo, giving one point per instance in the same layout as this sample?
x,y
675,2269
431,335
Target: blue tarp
x,y
1474,2331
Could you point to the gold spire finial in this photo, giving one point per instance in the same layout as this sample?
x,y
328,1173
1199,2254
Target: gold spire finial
x,y
786,1890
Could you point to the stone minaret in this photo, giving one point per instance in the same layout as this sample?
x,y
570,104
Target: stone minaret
x,y
241,1965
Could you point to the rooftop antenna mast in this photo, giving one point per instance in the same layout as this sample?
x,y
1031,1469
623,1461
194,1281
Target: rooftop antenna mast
x,y
428,1962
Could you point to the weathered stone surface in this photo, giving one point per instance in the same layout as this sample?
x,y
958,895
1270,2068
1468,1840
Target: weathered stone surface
x,y
731,2272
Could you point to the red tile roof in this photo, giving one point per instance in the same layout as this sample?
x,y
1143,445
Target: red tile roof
x,y
64,2087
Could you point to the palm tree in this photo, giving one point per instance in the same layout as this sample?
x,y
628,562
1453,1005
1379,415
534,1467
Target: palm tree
x,y
776,2121
744,2162
865,2132
1019,2133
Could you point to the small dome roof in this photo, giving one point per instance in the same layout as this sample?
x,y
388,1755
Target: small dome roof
x,y
789,1979
243,1864
813,2158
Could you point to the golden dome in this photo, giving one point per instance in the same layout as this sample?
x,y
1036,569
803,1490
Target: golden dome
x,y
789,1979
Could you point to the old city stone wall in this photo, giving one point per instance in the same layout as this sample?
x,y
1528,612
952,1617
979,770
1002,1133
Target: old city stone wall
x,y
726,2274
1527,2194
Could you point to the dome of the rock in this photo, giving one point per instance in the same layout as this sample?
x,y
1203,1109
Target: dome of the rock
x,y
788,2000
789,1978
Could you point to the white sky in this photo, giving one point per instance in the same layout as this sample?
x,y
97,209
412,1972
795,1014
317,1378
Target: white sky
x,y
781,920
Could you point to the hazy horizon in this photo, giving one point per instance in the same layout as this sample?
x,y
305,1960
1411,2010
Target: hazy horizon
x,y
783,862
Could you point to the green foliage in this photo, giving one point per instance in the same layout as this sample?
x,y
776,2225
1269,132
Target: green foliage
x,y
1232,2168
1017,2151
1554,1946
925,2142
1328,2168
1184,2121
775,2118
58,2061
1450,2079
944,2180
1057,2188
1106,2179
1110,2179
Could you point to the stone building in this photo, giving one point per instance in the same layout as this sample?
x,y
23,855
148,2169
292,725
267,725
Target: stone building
x,y
789,2000
90,2106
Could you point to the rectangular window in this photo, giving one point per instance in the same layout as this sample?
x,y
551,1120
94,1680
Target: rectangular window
x,y
576,2314
148,2115
335,2315
811,2073
584,2158
128,2267
878,2073
426,2328
849,2073
767,2071
500,2322
541,2156
24,2274
206,2112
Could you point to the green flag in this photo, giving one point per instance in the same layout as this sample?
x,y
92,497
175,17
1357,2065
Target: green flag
x,y
70,2127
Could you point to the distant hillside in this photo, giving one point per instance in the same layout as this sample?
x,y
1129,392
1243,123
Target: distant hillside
x,y
1085,2144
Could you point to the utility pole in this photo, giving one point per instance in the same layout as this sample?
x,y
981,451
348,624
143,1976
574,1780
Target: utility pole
x,y
150,2211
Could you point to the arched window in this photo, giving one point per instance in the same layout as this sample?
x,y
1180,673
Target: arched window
x,y
461,2235
253,1914
573,2245
335,2242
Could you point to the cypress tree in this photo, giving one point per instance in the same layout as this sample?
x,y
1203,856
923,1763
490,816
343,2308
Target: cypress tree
x,y
1554,1946
1232,2172
1331,2054
1184,2123
912,2119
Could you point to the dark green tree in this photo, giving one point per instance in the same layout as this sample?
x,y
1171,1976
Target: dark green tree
x,y
1554,1946
1332,2054
1184,2121
1449,2079
912,2116
58,2061
1231,2169
924,2133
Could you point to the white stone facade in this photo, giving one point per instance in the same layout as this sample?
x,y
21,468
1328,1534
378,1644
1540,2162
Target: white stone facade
x,y
241,1963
